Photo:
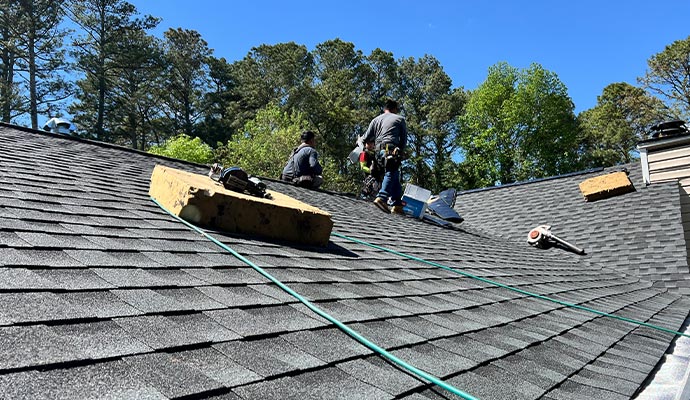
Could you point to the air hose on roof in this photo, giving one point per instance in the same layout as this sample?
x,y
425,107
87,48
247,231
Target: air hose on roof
x,y
354,334
514,289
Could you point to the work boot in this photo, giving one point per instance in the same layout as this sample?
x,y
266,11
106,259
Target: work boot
x,y
380,203
397,210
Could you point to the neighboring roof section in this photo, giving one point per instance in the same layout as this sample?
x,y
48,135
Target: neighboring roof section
x,y
638,233
104,295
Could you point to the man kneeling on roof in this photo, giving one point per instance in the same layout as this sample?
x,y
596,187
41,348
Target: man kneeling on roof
x,y
303,168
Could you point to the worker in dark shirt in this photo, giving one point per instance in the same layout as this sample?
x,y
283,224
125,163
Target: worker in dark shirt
x,y
389,131
303,168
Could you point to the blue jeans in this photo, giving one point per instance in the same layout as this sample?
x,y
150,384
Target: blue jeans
x,y
391,187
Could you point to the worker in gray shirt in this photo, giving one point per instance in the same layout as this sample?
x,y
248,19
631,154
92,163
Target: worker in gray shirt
x,y
303,168
389,131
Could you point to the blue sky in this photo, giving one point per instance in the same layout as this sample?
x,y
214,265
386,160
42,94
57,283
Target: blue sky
x,y
588,44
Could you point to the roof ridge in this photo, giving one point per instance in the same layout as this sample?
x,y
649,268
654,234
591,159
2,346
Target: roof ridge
x,y
521,183
97,143
625,167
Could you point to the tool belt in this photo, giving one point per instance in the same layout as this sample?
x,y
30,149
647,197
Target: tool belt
x,y
302,180
386,146
389,156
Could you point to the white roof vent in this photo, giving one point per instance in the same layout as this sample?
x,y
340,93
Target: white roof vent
x,y
58,125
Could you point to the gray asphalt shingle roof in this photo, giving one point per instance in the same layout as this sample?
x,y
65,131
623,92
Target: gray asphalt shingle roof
x,y
103,294
638,233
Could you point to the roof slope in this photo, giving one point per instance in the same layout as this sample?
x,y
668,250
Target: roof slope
x,y
639,233
104,295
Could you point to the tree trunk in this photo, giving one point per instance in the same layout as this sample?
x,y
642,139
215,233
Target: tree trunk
x,y
187,117
100,132
132,124
33,97
7,72
100,70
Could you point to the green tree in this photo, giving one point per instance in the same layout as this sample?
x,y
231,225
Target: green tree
x,y
41,55
338,106
184,147
443,140
280,73
186,80
668,75
104,24
518,125
335,108
135,104
382,76
611,129
431,109
486,141
10,105
218,121
267,141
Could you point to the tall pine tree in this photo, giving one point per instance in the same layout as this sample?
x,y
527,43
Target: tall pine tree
x,y
104,23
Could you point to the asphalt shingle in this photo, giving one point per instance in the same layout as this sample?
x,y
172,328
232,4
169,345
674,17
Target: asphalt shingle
x,y
104,295
620,232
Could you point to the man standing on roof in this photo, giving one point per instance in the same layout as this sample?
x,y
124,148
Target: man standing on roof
x,y
389,131
303,168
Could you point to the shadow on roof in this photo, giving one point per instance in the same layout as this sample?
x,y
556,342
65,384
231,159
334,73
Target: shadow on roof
x,y
331,248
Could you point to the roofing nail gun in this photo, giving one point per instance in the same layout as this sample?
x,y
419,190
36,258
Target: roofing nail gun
x,y
234,178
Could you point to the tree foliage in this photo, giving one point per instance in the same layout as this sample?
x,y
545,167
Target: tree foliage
x,y
334,107
133,93
668,75
267,141
218,122
32,59
134,89
10,90
186,148
186,78
104,24
622,117
425,93
271,73
41,56
518,125
382,78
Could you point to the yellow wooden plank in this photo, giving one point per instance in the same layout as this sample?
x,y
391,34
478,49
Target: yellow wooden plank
x,y
604,186
200,200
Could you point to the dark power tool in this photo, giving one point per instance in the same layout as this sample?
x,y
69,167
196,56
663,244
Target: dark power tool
x,y
541,235
236,179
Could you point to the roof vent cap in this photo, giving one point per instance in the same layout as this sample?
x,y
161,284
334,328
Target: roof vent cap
x,y
669,128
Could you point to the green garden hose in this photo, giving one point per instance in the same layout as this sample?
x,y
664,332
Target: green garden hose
x,y
354,334
514,289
